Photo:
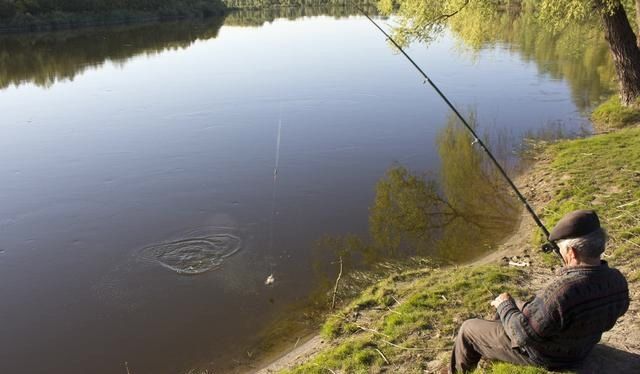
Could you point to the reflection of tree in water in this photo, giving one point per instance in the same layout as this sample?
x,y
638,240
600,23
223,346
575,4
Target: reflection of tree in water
x,y
262,15
578,54
457,216
46,58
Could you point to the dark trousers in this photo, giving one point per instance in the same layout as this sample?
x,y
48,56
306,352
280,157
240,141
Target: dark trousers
x,y
480,338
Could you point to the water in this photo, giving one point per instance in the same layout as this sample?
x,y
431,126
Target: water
x,y
140,211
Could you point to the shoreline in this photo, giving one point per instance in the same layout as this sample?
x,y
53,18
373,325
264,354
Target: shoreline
x,y
64,21
87,20
314,342
541,183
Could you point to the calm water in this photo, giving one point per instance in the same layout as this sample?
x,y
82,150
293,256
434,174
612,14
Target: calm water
x,y
154,176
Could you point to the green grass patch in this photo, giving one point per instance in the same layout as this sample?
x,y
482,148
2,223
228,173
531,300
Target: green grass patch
x,y
503,368
612,114
601,173
431,309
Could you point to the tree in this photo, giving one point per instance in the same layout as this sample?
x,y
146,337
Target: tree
x,y
457,214
579,54
424,19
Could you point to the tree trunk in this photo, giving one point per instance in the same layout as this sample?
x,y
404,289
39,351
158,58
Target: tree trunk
x,y
625,52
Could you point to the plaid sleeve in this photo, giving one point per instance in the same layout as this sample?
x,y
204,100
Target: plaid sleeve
x,y
539,320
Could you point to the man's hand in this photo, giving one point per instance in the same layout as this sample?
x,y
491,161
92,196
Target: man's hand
x,y
500,299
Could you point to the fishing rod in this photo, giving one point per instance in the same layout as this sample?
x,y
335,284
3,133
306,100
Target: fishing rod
x,y
549,245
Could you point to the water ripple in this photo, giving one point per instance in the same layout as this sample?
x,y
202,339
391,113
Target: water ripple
x,y
193,256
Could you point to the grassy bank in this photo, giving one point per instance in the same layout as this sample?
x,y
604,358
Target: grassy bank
x,y
613,115
406,322
46,15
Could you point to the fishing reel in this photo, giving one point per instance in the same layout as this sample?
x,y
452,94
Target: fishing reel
x,y
551,247
548,247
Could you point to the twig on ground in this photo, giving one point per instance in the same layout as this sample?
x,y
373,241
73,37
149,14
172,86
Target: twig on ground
x,y
396,300
373,331
630,242
383,356
335,289
629,204
489,290
296,345
393,311
405,348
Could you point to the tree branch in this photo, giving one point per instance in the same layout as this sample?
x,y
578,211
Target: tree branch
x,y
447,16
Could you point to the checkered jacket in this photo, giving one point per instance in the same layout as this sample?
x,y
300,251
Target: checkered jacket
x,y
561,325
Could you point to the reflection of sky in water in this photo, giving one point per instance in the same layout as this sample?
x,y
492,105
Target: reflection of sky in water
x,y
129,154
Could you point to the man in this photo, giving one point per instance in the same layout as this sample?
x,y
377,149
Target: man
x,y
560,326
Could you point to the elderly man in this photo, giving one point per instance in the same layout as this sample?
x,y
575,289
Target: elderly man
x,y
560,326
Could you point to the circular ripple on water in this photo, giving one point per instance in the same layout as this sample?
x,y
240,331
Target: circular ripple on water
x,y
194,255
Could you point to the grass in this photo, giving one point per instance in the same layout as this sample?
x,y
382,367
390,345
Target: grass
x,y
433,304
411,318
612,114
601,173
502,368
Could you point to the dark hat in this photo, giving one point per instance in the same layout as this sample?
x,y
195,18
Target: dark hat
x,y
575,224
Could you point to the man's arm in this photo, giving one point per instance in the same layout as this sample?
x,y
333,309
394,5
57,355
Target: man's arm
x,y
540,319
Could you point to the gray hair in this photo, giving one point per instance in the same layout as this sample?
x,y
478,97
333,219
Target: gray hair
x,y
587,246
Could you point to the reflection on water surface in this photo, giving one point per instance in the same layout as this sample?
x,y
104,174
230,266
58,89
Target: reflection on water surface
x,y
119,143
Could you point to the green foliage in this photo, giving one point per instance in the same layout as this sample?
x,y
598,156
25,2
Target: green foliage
x,y
558,14
36,15
354,356
578,54
263,4
245,14
612,113
424,19
38,7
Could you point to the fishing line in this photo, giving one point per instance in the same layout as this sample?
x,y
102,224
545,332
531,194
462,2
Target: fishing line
x,y
275,184
549,246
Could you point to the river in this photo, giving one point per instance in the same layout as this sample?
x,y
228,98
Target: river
x,y
154,176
